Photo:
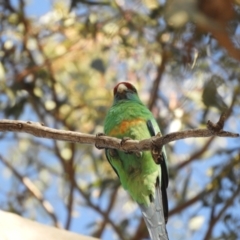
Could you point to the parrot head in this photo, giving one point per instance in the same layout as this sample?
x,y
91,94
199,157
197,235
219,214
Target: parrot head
x,y
125,91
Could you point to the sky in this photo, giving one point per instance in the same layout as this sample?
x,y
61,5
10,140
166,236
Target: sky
x,y
36,8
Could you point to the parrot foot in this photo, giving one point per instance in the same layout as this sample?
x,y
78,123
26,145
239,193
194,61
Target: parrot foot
x,y
96,143
157,152
124,139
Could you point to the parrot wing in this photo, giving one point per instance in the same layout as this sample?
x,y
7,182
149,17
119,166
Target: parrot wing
x,y
107,153
164,173
156,214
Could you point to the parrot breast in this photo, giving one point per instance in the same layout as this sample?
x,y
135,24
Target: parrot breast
x,y
124,127
137,172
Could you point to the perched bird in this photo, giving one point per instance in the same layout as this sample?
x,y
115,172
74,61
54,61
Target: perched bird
x,y
144,177
211,96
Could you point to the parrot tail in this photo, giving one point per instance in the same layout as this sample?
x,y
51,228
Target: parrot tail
x,y
153,216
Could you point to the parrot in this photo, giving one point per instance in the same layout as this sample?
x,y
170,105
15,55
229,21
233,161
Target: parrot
x,y
145,179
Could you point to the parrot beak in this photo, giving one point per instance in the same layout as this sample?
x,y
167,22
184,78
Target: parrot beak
x,y
121,88
121,92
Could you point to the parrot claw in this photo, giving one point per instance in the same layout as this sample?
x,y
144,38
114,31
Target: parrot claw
x,y
159,134
157,152
96,143
124,139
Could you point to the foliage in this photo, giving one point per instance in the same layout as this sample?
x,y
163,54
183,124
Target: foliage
x,y
59,70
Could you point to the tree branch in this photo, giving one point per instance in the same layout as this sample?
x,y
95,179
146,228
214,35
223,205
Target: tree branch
x,y
214,219
195,155
39,130
160,70
34,191
107,213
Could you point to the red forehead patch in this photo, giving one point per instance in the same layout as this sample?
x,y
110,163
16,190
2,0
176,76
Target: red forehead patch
x,y
128,86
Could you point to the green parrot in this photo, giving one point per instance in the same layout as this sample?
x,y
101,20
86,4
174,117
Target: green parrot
x,y
144,178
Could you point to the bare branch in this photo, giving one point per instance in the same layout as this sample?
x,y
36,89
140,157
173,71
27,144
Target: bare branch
x,y
34,191
107,213
39,130
195,155
214,219
157,81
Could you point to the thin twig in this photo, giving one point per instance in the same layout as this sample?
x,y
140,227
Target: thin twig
x,y
195,155
188,203
107,213
34,191
209,188
98,210
160,70
71,175
215,219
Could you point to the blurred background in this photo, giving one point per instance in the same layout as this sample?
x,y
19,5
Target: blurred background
x,y
59,63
